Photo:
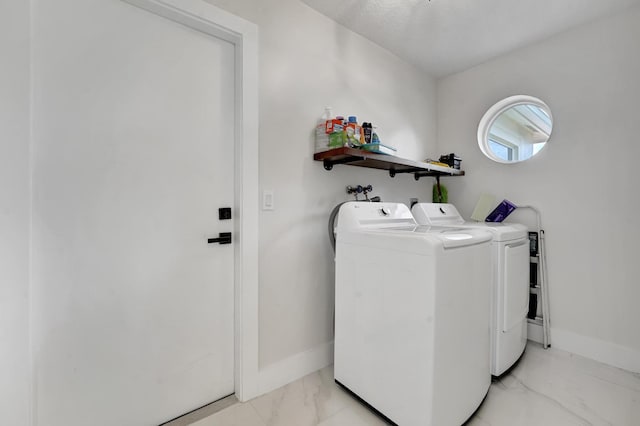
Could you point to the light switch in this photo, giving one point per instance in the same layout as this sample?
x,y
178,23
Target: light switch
x,y
267,200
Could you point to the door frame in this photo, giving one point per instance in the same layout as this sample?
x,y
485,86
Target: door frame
x,y
243,35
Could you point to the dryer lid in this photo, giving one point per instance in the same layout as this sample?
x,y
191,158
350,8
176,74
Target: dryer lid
x,y
436,214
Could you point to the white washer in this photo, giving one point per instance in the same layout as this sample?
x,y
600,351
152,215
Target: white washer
x,y
510,289
412,315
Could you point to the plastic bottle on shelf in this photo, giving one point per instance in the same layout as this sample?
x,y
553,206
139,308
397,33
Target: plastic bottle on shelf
x,y
322,138
327,114
367,129
336,132
354,131
335,125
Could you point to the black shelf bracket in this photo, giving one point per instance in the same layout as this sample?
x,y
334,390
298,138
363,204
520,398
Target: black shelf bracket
x,y
328,164
418,175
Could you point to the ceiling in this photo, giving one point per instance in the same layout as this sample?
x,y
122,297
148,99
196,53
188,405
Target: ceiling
x,y
446,36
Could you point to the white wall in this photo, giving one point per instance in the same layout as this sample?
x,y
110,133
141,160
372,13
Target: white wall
x,y
14,212
306,63
584,180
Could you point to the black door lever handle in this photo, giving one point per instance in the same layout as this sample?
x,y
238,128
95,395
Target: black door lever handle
x,y
224,238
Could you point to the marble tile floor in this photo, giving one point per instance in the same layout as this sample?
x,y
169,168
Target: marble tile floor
x,y
547,387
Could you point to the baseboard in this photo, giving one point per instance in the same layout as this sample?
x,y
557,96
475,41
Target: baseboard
x,y
534,332
291,369
596,349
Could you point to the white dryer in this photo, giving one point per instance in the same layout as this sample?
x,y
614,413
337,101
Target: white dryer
x,y
510,283
412,315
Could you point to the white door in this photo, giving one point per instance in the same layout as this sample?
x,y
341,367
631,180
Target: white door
x,y
132,157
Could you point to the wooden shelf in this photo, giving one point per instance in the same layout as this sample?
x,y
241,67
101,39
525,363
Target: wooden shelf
x,y
395,165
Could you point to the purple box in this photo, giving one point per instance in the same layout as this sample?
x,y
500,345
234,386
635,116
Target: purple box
x,y
500,213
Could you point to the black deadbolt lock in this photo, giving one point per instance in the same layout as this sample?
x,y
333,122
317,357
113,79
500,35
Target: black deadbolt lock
x,y
224,213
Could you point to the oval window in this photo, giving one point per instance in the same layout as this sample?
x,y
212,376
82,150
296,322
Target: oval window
x,y
515,129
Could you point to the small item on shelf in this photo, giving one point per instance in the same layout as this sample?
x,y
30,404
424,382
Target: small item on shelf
x,y
334,125
322,135
335,129
375,138
367,130
435,163
379,148
338,139
354,131
451,160
322,140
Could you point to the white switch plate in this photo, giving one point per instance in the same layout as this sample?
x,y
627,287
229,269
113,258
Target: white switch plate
x,y
267,200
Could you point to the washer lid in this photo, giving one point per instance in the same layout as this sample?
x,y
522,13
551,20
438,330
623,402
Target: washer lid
x,y
363,215
414,239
